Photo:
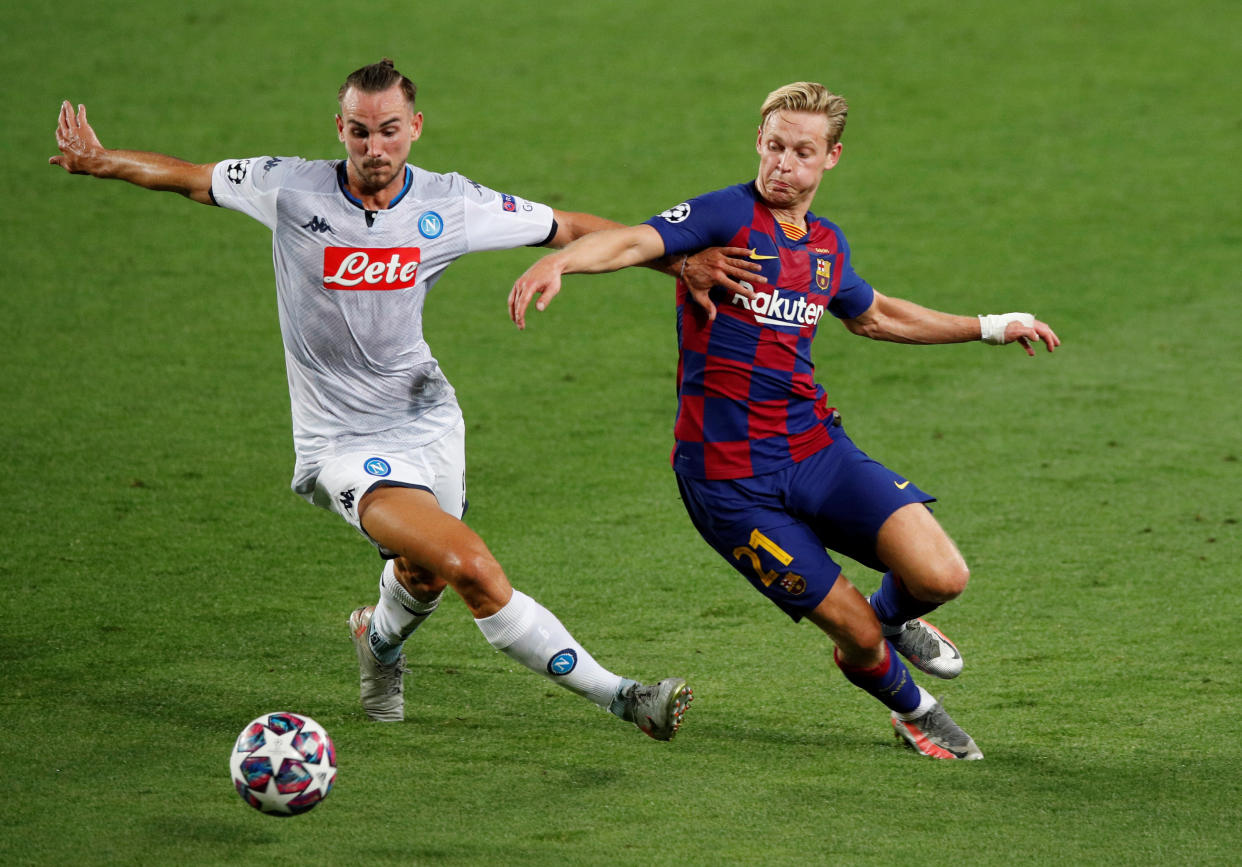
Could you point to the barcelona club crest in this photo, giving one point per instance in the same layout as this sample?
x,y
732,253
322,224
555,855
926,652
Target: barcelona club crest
x,y
823,273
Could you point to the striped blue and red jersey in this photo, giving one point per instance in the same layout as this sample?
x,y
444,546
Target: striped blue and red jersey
x,y
747,400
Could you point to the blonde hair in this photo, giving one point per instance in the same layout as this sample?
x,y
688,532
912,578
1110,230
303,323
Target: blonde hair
x,y
810,97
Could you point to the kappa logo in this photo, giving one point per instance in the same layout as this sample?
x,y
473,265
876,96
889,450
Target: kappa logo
x,y
347,499
780,310
677,213
563,663
236,172
317,224
375,269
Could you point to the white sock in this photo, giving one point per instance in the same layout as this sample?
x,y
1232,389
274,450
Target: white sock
x,y
398,614
527,632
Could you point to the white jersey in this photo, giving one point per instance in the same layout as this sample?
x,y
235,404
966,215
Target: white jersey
x,y
350,285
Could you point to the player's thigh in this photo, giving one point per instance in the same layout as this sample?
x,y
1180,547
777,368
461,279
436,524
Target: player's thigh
x,y
847,497
918,549
779,555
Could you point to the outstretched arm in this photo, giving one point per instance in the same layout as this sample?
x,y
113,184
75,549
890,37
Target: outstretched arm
x,y
82,154
596,253
901,321
716,266
599,245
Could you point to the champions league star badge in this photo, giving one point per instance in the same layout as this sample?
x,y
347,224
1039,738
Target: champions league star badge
x,y
677,213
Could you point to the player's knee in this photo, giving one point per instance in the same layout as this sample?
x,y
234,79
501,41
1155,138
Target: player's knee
x,y
867,637
471,570
945,582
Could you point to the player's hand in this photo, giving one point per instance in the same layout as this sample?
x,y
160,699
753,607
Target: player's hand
x,y
79,146
1016,332
541,280
729,267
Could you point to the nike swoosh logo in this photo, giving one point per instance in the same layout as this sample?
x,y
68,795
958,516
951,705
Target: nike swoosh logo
x,y
901,486
754,254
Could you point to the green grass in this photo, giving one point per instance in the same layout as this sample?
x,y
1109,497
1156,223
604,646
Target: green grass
x,y
161,585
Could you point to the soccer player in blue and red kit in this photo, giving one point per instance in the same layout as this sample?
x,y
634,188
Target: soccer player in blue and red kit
x,y
766,471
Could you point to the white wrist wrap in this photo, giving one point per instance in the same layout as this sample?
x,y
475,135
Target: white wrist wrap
x,y
992,326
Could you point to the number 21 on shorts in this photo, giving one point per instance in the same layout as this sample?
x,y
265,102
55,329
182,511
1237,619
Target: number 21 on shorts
x,y
791,582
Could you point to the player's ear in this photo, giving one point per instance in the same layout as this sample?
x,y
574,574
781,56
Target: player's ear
x,y
834,156
416,126
759,140
340,128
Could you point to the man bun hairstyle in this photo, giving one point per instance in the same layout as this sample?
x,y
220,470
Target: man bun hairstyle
x,y
376,78
811,97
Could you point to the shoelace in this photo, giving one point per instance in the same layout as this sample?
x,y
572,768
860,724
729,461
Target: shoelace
x,y
921,642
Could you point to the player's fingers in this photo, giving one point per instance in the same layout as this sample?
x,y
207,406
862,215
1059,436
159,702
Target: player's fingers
x,y
512,302
1026,345
741,287
740,264
518,299
703,299
1050,338
752,272
546,294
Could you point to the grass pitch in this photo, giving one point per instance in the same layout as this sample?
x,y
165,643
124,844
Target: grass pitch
x,y
162,586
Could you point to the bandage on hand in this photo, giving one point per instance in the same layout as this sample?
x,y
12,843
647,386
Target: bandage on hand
x,y
992,325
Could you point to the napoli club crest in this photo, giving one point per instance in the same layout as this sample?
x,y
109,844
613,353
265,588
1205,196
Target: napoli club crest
x,y
377,467
563,663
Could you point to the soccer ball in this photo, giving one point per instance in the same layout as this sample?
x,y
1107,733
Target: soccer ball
x,y
283,763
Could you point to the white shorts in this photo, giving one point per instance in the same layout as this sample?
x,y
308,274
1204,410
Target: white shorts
x,y
438,467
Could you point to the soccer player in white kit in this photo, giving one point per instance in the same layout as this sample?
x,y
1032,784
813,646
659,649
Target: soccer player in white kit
x,y
378,433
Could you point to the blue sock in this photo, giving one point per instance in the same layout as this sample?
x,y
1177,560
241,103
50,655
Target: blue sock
x,y
893,604
890,681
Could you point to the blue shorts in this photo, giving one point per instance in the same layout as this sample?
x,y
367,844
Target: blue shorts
x,y
774,528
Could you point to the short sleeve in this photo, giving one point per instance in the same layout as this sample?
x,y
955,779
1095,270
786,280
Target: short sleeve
x,y
709,220
250,185
499,221
854,295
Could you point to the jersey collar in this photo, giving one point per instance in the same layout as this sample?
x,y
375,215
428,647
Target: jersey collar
x,y
342,181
